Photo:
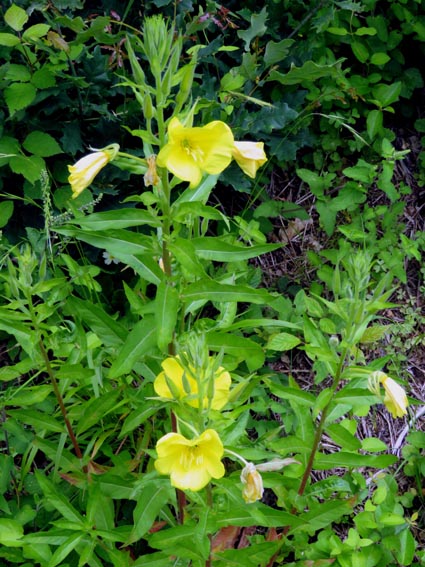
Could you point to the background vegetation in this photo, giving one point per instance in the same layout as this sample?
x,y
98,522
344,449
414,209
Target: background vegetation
x,y
331,225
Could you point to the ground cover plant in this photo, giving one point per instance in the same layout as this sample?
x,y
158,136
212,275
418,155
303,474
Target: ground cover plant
x,y
203,357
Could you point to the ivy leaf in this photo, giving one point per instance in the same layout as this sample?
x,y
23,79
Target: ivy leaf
x,y
41,144
257,29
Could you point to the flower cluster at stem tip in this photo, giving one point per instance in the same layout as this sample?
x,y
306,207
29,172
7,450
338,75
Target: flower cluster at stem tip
x,y
175,382
189,153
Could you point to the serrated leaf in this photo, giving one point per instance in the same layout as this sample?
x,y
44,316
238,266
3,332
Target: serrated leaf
x,y
11,532
41,144
374,333
16,17
309,71
282,342
19,73
19,96
30,167
277,51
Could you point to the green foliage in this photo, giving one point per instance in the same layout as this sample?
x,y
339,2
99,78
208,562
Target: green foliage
x,y
97,294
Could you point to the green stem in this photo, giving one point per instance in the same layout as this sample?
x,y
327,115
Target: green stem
x,y
59,398
321,425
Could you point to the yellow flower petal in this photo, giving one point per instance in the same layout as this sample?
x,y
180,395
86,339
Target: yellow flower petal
x,y
85,170
395,397
191,152
250,156
191,463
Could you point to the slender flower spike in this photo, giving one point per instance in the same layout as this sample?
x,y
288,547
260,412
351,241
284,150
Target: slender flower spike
x,y
191,152
191,463
250,156
175,383
395,398
85,170
253,484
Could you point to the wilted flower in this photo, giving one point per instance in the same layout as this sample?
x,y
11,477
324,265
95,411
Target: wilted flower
x,y
85,170
151,176
250,156
191,463
178,383
191,152
395,398
253,484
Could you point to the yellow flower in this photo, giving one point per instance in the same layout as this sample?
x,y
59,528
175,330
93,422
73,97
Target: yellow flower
x,y
175,383
85,170
191,463
190,152
253,484
250,156
395,398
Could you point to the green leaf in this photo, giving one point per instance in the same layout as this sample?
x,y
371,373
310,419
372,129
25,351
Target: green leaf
x,y
360,51
16,17
343,437
213,291
44,78
282,342
11,532
39,420
35,32
41,144
374,123
324,514
140,341
115,241
380,58
287,393
257,28
185,253
310,71
96,409
255,514
19,96
153,498
18,73
277,51
387,94
9,40
117,218
365,31
403,546
373,445
216,249
65,549
6,211
110,332
58,499
352,460
337,31
166,309
30,167
241,348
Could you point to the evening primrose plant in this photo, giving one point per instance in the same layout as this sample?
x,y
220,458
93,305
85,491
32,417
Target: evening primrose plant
x,y
186,447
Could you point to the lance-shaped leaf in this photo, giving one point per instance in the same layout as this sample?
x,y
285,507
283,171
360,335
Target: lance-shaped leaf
x,y
166,309
118,218
217,249
140,340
